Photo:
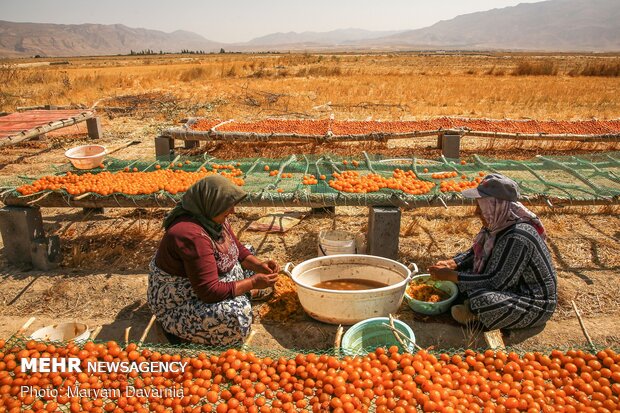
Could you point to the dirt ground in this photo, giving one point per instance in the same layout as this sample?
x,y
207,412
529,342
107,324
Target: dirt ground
x,y
102,279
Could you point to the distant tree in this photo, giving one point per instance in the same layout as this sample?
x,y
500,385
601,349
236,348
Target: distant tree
x,y
222,50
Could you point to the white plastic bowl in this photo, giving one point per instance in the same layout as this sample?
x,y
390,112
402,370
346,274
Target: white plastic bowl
x,y
86,156
62,332
349,307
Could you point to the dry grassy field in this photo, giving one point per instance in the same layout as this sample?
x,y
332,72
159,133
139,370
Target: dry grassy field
x,y
381,86
102,279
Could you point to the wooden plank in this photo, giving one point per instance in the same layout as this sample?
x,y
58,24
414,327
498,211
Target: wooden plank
x,y
39,130
614,137
46,113
185,134
165,200
46,107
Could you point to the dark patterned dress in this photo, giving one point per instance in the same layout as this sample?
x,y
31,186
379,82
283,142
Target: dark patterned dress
x,y
518,286
180,311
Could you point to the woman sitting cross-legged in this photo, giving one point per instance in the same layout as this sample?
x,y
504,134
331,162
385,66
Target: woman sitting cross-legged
x,y
201,278
507,275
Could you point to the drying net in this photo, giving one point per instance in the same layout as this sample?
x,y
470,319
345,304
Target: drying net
x,y
328,128
258,380
308,180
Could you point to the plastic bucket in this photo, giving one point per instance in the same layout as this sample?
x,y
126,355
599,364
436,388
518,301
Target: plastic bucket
x,y
369,334
335,243
439,307
62,332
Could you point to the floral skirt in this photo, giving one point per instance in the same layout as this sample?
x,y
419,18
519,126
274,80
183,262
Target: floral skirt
x,y
182,313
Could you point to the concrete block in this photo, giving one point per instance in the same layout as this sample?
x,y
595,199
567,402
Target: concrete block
x,y
93,211
164,147
451,146
94,128
191,144
19,227
330,210
45,253
383,231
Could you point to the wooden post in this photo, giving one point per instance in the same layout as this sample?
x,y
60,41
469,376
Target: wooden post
x,y
94,128
338,339
146,330
583,326
23,328
95,333
127,336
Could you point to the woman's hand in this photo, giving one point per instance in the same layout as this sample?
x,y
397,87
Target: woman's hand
x,y
270,267
254,264
450,264
256,282
260,281
443,273
266,275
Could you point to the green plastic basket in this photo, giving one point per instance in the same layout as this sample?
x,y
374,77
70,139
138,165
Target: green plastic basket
x,y
440,307
372,333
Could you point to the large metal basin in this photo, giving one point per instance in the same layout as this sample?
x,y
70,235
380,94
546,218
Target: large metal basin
x,y
349,307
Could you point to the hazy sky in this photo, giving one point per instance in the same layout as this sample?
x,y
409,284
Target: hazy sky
x,y
242,20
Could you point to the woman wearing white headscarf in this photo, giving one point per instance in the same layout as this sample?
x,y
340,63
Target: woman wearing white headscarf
x,y
507,274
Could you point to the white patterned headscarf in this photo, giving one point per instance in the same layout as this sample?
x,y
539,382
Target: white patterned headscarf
x,y
499,215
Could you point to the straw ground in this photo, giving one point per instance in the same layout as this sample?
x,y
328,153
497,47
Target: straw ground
x,y
102,279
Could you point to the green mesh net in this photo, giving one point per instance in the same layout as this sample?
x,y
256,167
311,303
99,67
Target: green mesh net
x,y
586,178
192,349
263,381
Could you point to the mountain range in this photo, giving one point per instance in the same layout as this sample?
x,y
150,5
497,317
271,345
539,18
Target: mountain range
x,y
45,39
334,37
553,25
557,25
